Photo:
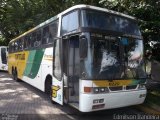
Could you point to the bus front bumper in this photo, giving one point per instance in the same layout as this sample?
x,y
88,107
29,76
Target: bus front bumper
x,y
95,102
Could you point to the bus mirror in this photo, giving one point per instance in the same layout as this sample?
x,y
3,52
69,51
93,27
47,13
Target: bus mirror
x,y
83,47
56,38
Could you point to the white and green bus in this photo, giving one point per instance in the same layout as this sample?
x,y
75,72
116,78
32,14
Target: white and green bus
x,y
88,57
3,58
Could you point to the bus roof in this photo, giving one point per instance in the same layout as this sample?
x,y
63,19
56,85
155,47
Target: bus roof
x,y
70,9
97,8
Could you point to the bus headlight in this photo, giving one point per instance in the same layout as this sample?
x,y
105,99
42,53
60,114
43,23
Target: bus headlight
x,y
100,90
96,90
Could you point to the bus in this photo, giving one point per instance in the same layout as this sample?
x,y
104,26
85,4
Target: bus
x,y
3,58
88,57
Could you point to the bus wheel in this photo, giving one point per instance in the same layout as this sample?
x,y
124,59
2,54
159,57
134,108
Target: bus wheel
x,y
15,76
48,88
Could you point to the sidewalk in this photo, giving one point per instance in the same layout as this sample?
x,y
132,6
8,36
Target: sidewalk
x,y
152,102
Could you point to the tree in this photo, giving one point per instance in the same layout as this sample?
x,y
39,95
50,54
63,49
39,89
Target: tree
x,y
17,16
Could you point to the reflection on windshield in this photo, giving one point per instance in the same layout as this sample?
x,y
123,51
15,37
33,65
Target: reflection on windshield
x,y
135,54
135,59
112,58
108,59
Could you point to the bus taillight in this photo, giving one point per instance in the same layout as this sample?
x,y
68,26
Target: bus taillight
x,y
87,89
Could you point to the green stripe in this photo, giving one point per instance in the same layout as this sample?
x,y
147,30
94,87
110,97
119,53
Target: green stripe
x,y
135,82
33,63
29,62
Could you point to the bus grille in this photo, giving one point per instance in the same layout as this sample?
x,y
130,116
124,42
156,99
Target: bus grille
x,y
131,87
116,88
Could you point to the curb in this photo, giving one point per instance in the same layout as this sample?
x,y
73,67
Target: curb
x,y
148,110
155,106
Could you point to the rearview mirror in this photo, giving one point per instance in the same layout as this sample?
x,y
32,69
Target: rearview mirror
x,y
83,47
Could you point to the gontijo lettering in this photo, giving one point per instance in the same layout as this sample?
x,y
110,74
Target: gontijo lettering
x,y
20,56
54,90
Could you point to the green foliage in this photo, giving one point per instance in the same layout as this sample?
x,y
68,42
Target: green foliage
x,y
2,41
18,16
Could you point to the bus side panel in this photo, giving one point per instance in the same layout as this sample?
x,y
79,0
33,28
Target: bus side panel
x,y
38,66
32,71
32,66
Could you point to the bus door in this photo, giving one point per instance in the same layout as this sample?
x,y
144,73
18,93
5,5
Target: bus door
x,y
57,83
71,69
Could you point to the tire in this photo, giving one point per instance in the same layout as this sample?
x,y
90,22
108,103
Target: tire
x,y
48,85
15,76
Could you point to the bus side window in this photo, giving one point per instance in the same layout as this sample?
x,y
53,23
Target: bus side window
x,y
25,42
46,35
37,42
12,47
70,22
53,30
16,45
56,60
29,40
20,44
33,39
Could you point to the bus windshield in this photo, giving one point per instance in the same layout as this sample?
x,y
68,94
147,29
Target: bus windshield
x,y
110,22
114,58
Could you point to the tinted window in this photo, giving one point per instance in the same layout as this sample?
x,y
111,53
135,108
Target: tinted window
x,y
10,47
70,22
20,46
33,39
50,32
57,64
29,40
105,21
16,45
46,35
26,42
37,42
53,29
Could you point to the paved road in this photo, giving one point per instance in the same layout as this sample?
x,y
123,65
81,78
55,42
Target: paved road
x,y
19,100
